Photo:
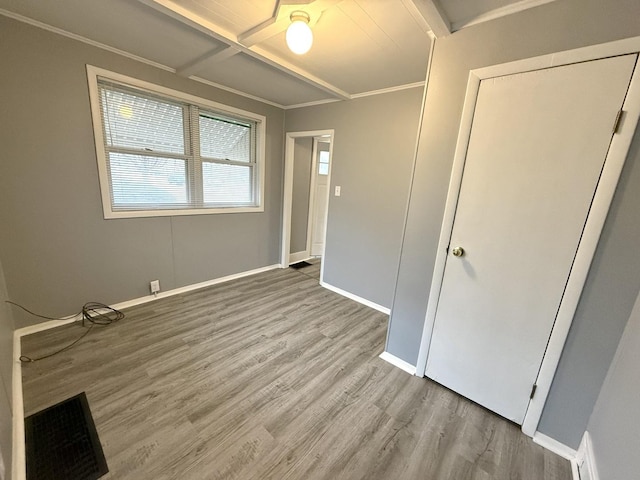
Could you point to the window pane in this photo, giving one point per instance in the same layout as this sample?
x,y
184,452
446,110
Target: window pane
x,y
324,157
323,168
225,139
149,181
227,184
133,121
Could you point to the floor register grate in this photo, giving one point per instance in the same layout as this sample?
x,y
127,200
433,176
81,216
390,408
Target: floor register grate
x,y
62,443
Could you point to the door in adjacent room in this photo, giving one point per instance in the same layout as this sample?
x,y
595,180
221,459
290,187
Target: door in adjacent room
x,y
318,214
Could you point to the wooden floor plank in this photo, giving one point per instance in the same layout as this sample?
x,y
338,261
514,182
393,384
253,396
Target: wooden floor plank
x,y
270,377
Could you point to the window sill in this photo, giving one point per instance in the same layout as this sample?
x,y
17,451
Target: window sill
x,y
109,214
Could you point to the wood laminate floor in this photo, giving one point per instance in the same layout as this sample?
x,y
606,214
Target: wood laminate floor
x,y
270,377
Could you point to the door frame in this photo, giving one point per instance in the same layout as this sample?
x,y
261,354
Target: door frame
x,y
605,190
285,238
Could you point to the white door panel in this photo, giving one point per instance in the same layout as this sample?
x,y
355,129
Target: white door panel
x,y
536,150
319,219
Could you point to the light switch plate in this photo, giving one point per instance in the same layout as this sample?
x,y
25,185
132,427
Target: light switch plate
x,y
337,190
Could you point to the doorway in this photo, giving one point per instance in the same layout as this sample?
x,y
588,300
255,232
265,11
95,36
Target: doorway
x,y
306,197
530,188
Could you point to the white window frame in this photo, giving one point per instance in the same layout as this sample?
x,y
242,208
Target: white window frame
x,y
94,73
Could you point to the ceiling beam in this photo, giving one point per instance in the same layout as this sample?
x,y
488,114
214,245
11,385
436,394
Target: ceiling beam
x,y
185,16
214,56
264,31
297,72
430,13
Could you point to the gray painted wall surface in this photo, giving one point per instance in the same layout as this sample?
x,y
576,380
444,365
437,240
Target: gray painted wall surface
x,y
606,303
373,152
614,425
300,196
6,367
560,25
57,250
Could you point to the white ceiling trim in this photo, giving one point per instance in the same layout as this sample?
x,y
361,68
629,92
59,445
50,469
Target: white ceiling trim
x,y
80,38
93,43
177,12
370,93
237,92
429,13
417,16
312,104
388,90
499,12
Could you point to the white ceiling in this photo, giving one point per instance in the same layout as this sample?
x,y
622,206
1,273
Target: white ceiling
x,y
360,46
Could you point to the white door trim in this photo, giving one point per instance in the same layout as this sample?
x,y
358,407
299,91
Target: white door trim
x,y
604,193
285,238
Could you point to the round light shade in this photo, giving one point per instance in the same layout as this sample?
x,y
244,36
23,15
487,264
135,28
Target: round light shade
x,y
299,36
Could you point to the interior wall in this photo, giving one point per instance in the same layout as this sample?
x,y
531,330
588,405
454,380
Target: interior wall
x,y
302,159
6,368
611,287
373,151
57,249
614,426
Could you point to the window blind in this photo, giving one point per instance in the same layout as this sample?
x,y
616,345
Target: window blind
x,y
162,153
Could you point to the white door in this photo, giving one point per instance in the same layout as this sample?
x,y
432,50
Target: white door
x,y
537,146
319,214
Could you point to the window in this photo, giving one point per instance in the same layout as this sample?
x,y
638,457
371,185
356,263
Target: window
x,y
162,152
323,163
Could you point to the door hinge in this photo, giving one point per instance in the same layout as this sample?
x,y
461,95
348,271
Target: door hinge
x,y
616,123
533,391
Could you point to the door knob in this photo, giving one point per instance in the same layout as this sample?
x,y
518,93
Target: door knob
x,y
458,252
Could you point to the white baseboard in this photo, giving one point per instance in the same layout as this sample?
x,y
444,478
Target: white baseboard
x,y
18,464
398,362
586,460
358,299
559,449
189,288
18,458
554,446
299,257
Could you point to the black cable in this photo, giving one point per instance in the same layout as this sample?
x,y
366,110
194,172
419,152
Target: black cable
x,y
94,313
41,316
26,359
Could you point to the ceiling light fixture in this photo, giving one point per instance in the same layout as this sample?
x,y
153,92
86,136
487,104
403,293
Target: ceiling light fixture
x,y
299,35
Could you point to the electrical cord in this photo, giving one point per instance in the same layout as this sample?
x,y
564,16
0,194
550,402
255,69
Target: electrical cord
x,y
43,316
94,313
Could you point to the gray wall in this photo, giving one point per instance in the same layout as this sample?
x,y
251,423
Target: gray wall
x,y
300,195
6,366
607,301
613,282
614,425
373,152
57,250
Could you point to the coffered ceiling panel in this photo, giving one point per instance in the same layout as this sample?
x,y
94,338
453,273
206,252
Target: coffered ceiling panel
x,y
362,46
123,24
241,72
235,16
460,10
464,12
359,46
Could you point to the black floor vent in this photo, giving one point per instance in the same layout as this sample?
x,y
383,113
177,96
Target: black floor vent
x,y
62,443
300,265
